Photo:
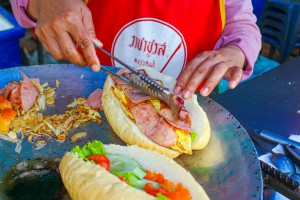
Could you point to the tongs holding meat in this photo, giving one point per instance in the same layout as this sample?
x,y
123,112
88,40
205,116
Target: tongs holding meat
x,y
146,84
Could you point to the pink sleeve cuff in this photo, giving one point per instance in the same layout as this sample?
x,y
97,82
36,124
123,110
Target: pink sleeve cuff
x,y
241,31
19,8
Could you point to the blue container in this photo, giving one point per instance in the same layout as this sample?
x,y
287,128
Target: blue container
x,y
10,53
258,6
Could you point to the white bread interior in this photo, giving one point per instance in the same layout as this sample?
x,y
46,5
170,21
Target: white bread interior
x,y
87,181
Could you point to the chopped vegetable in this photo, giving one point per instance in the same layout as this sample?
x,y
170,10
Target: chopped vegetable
x,y
166,188
161,197
132,173
193,136
95,147
101,160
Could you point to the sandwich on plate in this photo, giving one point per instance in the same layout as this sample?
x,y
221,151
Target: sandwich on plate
x,y
113,172
140,119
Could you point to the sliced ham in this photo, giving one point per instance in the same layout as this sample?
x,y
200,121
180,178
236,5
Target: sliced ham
x,y
7,90
15,96
159,127
137,97
133,94
152,125
145,116
29,94
182,122
120,72
164,134
94,100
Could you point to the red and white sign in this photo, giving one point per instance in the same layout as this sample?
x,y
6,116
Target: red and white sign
x,y
153,43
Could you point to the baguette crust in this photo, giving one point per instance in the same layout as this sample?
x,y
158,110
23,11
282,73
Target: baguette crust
x,y
130,133
87,181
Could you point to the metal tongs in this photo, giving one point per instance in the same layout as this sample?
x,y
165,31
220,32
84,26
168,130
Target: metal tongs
x,y
144,83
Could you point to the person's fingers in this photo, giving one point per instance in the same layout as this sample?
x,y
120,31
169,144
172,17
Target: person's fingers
x,y
83,35
187,72
49,42
215,76
54,49
235,74
88,23
69,49
44,44
200,74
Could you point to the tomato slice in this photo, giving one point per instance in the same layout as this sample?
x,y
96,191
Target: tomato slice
x,y
150,189
101,160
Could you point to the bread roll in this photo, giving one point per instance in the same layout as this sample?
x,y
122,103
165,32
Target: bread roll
x,y
87,181
131,134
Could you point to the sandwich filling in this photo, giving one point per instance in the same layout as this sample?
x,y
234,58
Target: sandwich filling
x,y
153,117
131,172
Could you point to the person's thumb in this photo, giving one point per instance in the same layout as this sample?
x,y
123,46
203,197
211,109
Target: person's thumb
x,y
89,25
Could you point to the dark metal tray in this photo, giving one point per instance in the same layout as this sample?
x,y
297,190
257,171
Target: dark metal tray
x,y
227,168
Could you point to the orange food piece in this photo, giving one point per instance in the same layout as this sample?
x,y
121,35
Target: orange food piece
x,y
180,193
6,117
4,124
157,177
4,103
9,114
166,188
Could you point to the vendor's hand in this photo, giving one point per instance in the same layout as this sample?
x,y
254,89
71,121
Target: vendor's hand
x,y
208,68
64,26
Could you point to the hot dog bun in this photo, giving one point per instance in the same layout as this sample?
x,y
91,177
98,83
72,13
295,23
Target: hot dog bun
x,y
130,133
87,181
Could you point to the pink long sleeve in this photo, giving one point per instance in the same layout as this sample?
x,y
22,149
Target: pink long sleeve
x,y
19,9
241,30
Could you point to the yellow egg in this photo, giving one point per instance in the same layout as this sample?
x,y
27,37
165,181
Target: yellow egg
x,y
184,142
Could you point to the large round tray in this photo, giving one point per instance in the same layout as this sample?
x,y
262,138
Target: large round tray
x,y
227,168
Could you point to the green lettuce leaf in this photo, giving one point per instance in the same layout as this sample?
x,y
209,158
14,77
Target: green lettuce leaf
x,y
129,176
95,147
193,136
159,196
78,151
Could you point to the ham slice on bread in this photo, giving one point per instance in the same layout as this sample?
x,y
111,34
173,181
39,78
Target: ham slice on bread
x,y
146,129
152,125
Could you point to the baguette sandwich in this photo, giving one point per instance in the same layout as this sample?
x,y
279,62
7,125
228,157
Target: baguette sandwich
x,y
139,119
114,172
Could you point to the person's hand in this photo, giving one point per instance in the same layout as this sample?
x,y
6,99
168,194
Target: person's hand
x,y
64,26
208,68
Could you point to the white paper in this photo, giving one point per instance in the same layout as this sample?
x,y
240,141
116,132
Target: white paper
x,y
5,24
